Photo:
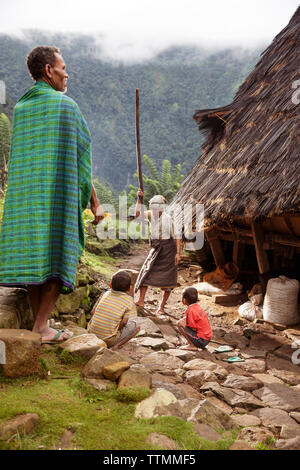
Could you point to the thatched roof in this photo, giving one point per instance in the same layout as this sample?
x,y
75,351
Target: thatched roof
x,y
250,164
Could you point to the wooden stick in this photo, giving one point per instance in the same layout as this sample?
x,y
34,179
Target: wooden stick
x,y
138,154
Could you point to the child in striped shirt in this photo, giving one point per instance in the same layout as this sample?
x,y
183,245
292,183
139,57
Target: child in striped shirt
x,y
113,315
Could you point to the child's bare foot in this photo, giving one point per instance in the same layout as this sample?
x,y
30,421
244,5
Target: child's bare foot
x,y
139,304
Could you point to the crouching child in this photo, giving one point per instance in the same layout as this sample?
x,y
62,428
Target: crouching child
x,y
195,326
113,316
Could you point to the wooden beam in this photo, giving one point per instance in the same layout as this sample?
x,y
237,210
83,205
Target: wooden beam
x,y
216,249
261,255
238,253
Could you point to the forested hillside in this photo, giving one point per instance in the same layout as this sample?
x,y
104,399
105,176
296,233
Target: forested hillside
x,y
172,86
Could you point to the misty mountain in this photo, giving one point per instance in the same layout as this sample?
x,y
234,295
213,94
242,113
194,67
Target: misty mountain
x,y
172,86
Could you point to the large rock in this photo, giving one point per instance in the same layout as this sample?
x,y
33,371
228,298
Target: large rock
x,y
173,388
240,445
235,397
200,364
169,334
206,432
252,365
161,361
84,345
15,311
104,357
289,432
243,383
99,384
288,444
284,370
147,408
162,441
279,396
200,377
267,342
68,303
255,435
22,352
273,417
236,340
213,416
148,325
21,425
267,379
183,409
181,354
246,420
136,376
154,343
114,371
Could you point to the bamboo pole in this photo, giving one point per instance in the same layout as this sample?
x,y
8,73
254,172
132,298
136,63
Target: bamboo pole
x,y
138,155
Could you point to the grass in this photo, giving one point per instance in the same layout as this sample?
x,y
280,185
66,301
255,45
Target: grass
x,y
104,264
101,420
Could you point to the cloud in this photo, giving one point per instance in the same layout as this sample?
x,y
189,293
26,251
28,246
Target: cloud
x,y
135,30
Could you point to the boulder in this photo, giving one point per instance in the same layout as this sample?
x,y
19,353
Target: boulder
x,y
235,397
161,361
136,376
68,303
200,364
15,311
199,377
243,383
288,444
114,371
169,334
84,345
154,343
240,445
21,425
236,340
178,392
267,379
284,370
279,396
246,420
103,358
267,342
183,409
162,441
147,408
255,435
295,415
252,365
206,432
148,325
221,404
22,352
181,354
289,431
99,384
273,417
213,416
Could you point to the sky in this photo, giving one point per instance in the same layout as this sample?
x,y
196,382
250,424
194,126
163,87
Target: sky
x,y
140,29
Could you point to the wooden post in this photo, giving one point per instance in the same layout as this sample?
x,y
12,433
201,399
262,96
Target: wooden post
x,y
216,248
138,154
238,253
261,255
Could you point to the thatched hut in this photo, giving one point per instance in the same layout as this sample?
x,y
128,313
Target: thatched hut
x,y
248,176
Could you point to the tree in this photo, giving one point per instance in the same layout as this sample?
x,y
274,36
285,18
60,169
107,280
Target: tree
x,y
5,135
166,183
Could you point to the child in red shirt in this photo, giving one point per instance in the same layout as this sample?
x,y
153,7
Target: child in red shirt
x,y
195,326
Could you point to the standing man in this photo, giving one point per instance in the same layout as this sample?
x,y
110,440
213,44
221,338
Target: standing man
x,y
160,267
49,185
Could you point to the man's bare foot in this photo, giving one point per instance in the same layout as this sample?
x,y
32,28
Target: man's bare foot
x,y
188,347
58,336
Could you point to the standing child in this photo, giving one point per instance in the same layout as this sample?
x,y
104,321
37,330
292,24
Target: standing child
x,y
195,326
113,315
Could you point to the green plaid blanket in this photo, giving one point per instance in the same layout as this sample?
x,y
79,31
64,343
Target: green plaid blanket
x,y
49,185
